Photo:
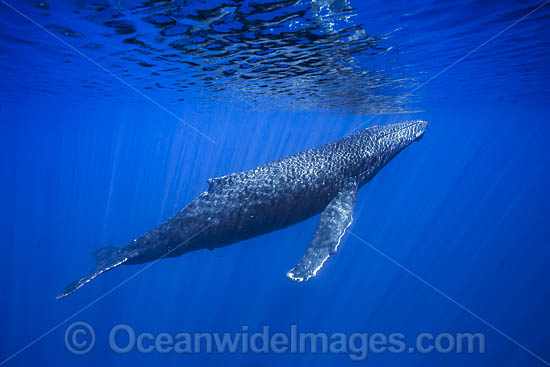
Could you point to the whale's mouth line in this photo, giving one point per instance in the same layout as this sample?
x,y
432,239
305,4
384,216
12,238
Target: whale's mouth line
x,y
419,136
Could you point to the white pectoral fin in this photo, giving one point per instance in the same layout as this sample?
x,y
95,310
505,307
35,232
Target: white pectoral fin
x,y
332,225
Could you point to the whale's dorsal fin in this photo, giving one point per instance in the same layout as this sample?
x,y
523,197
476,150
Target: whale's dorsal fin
x,y
332,225
215,181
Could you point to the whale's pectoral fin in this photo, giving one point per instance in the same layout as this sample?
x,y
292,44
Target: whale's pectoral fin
x,y
332,225
107,258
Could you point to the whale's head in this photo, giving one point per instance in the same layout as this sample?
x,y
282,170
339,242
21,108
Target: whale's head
x,y
405,132
381,143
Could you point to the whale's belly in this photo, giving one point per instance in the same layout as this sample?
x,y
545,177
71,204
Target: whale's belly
x,y
238,212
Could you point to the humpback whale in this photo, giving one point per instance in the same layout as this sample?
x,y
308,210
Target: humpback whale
x,y
273,196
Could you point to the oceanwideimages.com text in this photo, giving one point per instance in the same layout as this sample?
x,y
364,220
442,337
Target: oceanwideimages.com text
x,y
80,338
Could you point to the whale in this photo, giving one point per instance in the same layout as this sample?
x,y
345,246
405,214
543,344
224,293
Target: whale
x,y
279,194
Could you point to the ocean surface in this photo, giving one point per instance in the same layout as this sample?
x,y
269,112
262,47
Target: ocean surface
x,y
114,114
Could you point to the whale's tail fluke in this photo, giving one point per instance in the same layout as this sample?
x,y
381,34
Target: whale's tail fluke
x,y
106,258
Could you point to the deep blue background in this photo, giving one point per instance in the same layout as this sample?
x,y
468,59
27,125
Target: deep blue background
x,y
465,209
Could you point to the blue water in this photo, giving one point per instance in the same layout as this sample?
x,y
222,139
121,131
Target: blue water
x,y
115,113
